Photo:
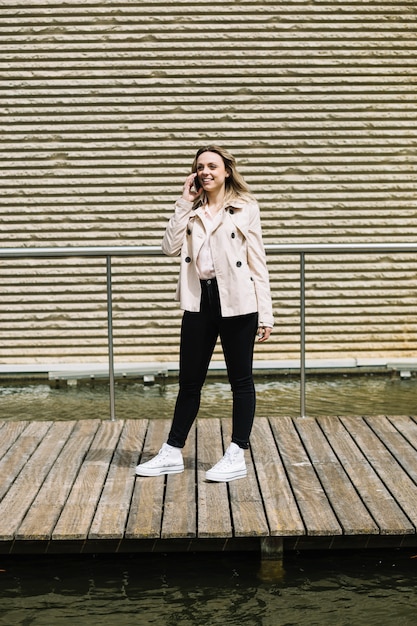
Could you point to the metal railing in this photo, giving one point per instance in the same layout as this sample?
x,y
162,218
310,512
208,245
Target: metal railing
x,y
108,252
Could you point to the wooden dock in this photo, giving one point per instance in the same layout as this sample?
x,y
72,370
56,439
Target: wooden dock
x,y
69,486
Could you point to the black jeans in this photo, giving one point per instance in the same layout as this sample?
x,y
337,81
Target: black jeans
x,y
199,333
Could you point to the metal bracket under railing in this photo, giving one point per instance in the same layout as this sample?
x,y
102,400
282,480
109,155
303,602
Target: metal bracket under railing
x,y
108,252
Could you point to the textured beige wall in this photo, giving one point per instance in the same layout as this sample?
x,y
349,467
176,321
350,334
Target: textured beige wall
x,y
103,104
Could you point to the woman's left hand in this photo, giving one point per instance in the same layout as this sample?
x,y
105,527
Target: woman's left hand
x,y
263,333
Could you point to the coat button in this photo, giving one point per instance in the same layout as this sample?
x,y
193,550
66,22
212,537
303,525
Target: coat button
x,y
239,264
233,235
188,231
187,259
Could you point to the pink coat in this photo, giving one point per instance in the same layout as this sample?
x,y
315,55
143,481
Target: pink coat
x,y
238,257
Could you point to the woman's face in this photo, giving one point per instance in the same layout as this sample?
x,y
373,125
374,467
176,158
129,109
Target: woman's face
x,y
211,171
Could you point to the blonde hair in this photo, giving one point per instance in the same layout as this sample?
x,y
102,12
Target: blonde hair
x,y
235,185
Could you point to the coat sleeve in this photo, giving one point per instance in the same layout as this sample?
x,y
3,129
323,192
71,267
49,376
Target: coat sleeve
x,y
175,231
258,267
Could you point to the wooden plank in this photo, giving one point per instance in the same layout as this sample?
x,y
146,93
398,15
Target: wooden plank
x,y
77,514
213,510
317,514
281,508
145,517
403,489
387,467
180,512
46,507
20,449
9,432
352,514
398,445
113,507
407,427
248,513
374,494
21,494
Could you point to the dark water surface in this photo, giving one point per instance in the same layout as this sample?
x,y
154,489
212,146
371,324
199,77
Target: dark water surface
x,y
339,589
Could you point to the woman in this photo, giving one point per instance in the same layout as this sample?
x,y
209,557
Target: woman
x,y
223,289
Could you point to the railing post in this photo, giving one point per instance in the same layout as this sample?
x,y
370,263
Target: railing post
x,y
110,339
302,338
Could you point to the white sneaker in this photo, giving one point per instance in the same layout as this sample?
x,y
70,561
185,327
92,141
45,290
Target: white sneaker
x,y
167,461
230,467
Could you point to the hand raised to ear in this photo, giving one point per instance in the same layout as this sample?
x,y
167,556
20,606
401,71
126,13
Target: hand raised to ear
x,y
189,192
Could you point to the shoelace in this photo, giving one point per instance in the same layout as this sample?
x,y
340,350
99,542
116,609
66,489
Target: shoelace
x,y
228,458
161,456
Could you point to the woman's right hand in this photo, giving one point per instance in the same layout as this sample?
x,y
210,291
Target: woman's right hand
x,y
189,192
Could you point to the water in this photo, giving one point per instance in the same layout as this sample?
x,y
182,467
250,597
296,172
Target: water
x,y
337,589
376,587
326,395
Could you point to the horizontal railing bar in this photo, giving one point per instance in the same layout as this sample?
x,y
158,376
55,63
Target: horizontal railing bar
x,y
332,248
280,248
79,251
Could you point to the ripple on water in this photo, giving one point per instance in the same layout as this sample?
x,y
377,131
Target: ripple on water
x,y
326,395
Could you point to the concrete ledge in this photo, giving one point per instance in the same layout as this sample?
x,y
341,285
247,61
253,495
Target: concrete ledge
x,y
146,371
66,371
